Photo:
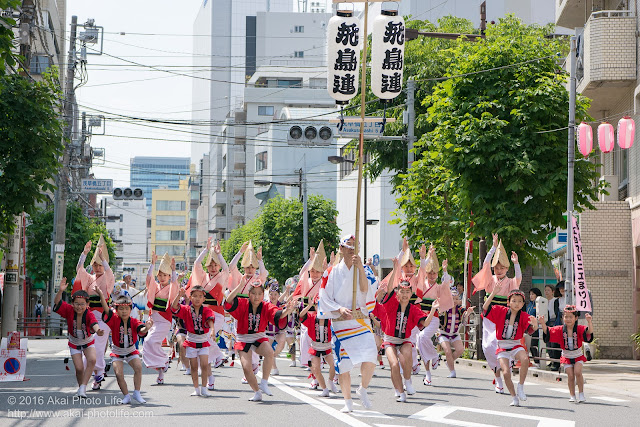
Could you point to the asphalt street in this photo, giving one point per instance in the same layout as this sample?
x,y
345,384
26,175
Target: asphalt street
x,y
47,398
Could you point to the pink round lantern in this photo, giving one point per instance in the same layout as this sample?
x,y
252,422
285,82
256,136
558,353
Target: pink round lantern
x,y
585,139
626,132
606,138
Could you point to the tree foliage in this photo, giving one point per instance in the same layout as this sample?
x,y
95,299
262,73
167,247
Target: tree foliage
x,y
425,58
496,154
7,57
80,229
30,142
278,229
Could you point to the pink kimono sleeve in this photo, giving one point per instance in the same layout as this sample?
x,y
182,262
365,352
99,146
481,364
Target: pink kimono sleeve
x,y
483,278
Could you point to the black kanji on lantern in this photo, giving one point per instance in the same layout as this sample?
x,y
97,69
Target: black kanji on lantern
x,y
346,61
391,83
348,34
392,59
394,33
344,84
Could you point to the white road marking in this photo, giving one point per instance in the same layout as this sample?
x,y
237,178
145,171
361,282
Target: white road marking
x,y
338,401
438,413
284,378
295,384
345,418
609,399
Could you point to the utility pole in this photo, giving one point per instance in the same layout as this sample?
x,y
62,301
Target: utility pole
x,y
62,181
305,213
571,159
411,116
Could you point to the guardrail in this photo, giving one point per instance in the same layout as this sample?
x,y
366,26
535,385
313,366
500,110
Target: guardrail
x,y
42,327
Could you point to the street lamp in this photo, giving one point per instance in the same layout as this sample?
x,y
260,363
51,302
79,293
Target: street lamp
x,y
336,160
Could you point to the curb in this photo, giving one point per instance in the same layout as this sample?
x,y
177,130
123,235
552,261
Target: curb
x,y
541,374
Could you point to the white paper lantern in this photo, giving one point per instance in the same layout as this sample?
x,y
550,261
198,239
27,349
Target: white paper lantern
x,y
343,56
387,54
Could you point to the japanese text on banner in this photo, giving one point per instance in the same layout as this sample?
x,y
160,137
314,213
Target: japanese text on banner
x,y
583,303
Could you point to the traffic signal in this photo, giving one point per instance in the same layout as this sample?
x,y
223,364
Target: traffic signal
x,y
309,135
127,194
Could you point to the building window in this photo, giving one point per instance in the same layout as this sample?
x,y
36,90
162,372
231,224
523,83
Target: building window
x,y
192,233
171,205
348,165
315,83
172,250
193,214
121,218
168,235
264,110
298,54
261,161
195,194
120,232
284,83
125,203
224,158
164,220
298,29
39,64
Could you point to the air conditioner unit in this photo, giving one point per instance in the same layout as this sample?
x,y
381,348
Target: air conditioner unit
x,y
612,189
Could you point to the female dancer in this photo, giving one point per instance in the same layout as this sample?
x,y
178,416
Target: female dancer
x,y
160,294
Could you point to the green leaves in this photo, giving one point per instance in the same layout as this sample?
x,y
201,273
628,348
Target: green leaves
x,y
278,229
482,157
80,229
30,142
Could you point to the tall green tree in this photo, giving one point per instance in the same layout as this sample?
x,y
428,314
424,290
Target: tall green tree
x,y
30,143
497,151
278,229
80,229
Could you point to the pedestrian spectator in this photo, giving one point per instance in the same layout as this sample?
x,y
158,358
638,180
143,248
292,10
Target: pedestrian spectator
x,y
562,301
532,340
37,310
553,315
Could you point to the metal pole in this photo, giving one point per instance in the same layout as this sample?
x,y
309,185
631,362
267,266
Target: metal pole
x,y
411,115
571,159
305,216
11,295
61,193
363,88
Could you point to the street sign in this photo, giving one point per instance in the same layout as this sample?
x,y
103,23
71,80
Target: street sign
x,y
59,264
372,130
376,260
92,185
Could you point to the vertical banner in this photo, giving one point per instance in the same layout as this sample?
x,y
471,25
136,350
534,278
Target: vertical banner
x,y
1,283
583,303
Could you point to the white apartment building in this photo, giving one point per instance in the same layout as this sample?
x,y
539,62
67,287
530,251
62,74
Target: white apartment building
x,y
608,74
224,44
127,226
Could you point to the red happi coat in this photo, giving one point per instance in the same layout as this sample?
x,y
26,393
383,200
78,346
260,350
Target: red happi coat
x,y
120,329
195,322
395,323
560,335
499,315
86,324
317,332
250,322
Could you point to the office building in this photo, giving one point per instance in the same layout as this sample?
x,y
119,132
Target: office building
x,y
170,222
149,173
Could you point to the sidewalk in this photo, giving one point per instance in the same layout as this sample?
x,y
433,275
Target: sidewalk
x,y
610,376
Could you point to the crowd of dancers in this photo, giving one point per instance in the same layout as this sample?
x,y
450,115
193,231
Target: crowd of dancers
x,y
400,316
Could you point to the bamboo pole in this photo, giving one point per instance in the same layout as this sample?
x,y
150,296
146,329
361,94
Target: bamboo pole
x,y
363,93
